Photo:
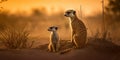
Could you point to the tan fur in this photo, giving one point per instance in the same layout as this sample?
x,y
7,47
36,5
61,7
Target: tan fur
x,y
54,40
78,28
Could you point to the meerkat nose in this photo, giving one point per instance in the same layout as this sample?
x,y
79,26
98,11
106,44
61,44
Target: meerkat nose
x,y
65,15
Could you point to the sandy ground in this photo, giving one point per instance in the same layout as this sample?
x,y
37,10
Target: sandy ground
x,y
95,50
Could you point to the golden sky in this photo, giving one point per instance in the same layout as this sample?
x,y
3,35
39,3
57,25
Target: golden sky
x,y
88,6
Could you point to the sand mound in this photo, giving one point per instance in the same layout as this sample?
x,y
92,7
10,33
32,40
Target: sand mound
x,y
98,45
95,50
65,46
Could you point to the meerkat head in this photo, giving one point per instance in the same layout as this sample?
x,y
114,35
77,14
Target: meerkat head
x,y
70,13
53,28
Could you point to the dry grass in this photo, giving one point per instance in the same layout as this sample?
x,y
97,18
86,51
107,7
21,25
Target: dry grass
x,y
13,38
102,36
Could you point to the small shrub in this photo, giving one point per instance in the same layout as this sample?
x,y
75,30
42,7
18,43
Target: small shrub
x,y
15,38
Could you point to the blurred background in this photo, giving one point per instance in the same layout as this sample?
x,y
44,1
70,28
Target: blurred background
x,y
37,15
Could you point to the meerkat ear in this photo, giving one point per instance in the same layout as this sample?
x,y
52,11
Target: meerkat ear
x,y
74,12
56,28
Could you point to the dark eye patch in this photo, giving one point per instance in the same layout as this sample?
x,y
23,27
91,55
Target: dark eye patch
x,y
51,27
68,12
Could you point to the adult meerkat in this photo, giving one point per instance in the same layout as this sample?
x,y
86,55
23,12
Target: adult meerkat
x,y
54,39
78,28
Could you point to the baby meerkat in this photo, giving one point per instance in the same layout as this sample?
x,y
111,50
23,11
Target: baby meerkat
x,y
54,39
78,28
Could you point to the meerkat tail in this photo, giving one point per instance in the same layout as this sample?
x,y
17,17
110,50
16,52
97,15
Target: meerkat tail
x,y
65,51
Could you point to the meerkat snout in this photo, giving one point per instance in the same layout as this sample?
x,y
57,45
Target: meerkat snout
x,y
70,13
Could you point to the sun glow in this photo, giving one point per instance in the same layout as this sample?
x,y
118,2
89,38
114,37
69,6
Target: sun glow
x,y
52,5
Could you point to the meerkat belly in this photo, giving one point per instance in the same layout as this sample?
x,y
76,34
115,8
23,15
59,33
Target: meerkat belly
x,y
54,39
